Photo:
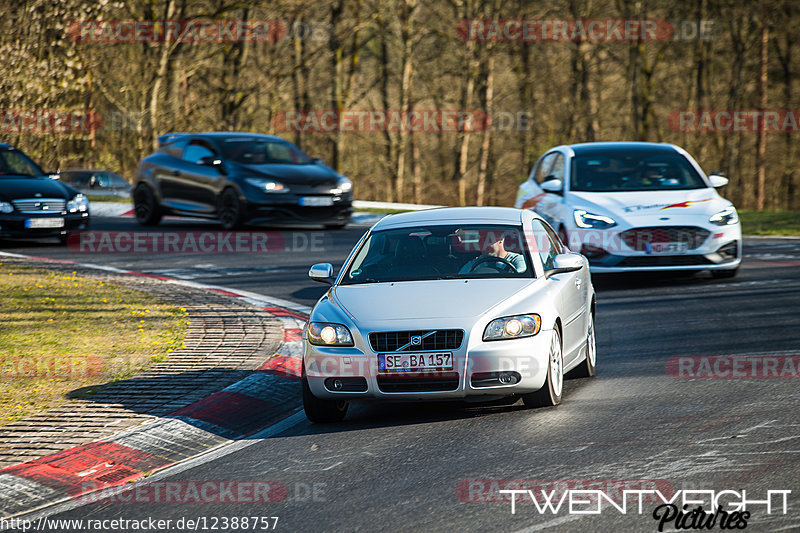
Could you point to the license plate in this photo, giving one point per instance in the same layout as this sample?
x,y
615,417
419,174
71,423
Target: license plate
x,y
414,362
44,223
666,247
316,201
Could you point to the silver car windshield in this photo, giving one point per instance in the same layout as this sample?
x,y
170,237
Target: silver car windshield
x,y
633,171
441,252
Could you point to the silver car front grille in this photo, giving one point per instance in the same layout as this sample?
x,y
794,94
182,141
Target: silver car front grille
x,y
40,206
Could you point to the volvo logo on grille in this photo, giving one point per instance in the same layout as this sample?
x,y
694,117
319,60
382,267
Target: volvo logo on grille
x,y
416,340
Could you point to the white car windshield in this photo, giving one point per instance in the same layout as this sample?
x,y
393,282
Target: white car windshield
x,y
614,171
440,252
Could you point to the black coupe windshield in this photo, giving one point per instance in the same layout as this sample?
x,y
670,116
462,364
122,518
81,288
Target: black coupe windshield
x,y
441,252
14,164
262,152
633,171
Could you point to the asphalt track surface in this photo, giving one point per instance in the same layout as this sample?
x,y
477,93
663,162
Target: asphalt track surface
x,y
427,467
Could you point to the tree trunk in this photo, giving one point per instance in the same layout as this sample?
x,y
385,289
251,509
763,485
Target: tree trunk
x,y
761,137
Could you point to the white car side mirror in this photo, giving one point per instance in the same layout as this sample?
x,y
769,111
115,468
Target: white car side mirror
x,y
718,180
554,186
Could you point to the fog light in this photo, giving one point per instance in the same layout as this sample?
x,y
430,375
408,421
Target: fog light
x,y
505,379
337,384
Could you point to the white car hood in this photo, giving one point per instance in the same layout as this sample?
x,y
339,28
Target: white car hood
x,y
695,202
436,299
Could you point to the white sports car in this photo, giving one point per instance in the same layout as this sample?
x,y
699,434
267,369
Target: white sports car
x,y
630,206
467,302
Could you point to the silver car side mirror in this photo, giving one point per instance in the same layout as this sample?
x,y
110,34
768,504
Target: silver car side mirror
x,y
322,272
563,263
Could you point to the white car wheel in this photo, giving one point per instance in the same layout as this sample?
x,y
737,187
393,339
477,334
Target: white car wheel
x,y
586,368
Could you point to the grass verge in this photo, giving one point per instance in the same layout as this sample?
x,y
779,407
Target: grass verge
x,y
61,332
770,222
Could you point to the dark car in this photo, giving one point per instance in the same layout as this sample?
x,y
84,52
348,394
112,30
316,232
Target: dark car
x,y
32,204
96,182
238,178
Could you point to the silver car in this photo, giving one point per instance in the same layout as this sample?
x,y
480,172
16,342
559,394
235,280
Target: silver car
x,y
453,303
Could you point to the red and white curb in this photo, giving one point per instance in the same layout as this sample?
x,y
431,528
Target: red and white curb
x,y
241,409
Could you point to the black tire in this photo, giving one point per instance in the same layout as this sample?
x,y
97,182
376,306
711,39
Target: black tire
x,y
724,274
63,238
145,206
550,393
322,411
230,210
587,367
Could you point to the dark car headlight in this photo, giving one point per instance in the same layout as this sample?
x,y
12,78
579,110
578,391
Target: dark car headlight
x,y
725,217
344,186
6,207
267,185
513,327
328,334
79,203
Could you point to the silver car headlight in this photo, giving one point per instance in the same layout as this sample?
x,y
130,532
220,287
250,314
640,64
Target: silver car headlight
x,y
328,334
584,219
725,217
267,185
78,204
513,327
6,207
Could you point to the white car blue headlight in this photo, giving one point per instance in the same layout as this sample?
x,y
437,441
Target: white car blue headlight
x,y
267,185
725,217
513,327
328,334
78,204
584,219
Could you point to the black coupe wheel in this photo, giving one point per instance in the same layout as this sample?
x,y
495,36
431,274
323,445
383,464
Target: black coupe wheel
x,y
230,210
147,211
322,411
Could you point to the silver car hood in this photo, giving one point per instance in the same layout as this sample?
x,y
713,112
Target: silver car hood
x,y
435,299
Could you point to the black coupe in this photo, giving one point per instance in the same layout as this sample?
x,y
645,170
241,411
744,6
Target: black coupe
x,y
238,178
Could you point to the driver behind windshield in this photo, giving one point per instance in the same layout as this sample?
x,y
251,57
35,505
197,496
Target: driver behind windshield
x,y
492,246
